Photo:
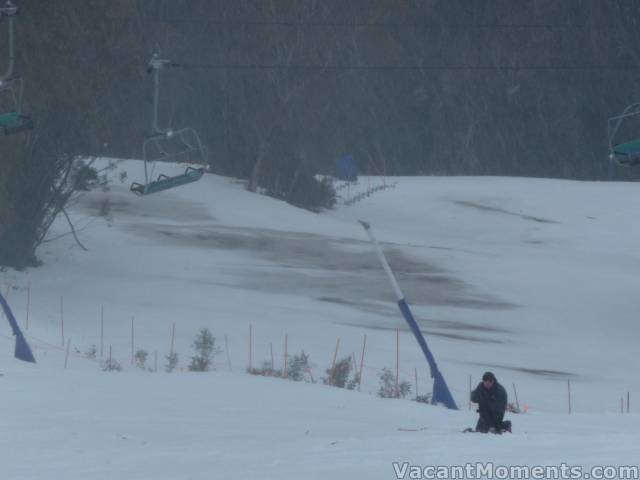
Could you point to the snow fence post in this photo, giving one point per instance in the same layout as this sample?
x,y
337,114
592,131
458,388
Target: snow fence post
x,y
173,338
62,319
515,393
284,370
335,357
132,339
273,365
364,346
628,411
250,346
226,349
66,355
101,332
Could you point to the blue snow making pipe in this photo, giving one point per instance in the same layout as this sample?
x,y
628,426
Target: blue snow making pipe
x,y
22,351
441,393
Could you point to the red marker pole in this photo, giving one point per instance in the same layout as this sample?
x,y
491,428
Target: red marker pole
x,y
335,357
132,339
284,371
62,320
364,347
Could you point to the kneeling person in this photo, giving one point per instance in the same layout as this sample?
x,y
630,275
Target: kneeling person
x,y
491,398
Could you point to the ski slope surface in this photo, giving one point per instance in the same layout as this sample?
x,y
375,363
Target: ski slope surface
x,y
533,279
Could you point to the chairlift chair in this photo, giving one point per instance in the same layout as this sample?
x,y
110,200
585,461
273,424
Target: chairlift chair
x,y
625,152
12,120
168,145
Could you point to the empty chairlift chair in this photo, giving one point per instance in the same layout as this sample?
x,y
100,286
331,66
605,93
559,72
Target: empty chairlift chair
x,y
12,120
168,145
624,149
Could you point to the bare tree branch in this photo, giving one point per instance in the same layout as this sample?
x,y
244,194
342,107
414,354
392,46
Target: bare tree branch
x,y
73,230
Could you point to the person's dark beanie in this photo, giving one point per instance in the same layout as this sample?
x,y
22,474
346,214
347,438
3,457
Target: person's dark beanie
x,y
488,376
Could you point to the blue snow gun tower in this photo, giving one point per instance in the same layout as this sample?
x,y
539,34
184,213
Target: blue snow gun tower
x,y
441,393
22,351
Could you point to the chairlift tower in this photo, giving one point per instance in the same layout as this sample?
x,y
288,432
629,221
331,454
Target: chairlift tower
x,y
168,144
11,86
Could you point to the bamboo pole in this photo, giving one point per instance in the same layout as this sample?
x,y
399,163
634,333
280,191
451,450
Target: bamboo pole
x,y
364,347
173,338
226,349
284,370
335,358
515,393
628,401
250,347
62,319
273,365
66,355
101,332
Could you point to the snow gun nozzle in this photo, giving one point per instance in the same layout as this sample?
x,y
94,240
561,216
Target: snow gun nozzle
x,y
364,224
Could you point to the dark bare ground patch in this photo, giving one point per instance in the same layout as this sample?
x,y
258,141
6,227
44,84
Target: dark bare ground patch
x,y
334,269
541,372
487,208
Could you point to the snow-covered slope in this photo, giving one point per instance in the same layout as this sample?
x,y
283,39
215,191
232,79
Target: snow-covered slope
x,y
533,279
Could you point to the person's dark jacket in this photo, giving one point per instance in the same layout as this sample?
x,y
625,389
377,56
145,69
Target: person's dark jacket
x,y
492,404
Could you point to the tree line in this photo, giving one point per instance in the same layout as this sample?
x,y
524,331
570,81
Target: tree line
x,y
279,89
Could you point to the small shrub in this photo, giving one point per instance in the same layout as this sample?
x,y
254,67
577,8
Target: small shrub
x,y
111,365
91,352
313,194
140,358
338,374
172,362
423,398
205,348
341,375
266,370
388,387
299,369
353,382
